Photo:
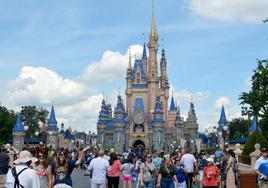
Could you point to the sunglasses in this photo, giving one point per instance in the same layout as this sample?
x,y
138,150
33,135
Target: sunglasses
x,y
41,156
61,154
148,156
177,160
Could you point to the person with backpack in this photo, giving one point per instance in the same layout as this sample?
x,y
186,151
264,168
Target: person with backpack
x,y
21,176
231,170
181,173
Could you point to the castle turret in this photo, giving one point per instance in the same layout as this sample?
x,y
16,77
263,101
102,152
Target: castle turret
x,y
158,125
191,128
102,123
144,59
52,129
18,134
163,67
223,120
119,125
152,76
172,113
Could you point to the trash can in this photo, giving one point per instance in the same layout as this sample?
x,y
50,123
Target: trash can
x,y
247,179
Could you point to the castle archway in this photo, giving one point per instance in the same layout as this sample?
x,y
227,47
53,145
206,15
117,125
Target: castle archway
x,y
138,146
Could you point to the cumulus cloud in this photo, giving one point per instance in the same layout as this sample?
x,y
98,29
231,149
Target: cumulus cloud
x,y
185,96
41,86
111,66
225,101
229,10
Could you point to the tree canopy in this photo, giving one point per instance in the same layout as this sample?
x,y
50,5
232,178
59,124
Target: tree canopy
x,y
257,97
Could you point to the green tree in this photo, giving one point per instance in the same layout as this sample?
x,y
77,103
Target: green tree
x,y
7,123
31,115
249,146
257,97
238,125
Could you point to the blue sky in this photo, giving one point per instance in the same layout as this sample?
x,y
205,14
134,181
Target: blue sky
x,y
69,52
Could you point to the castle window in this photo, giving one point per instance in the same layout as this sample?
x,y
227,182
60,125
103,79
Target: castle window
x,y
138,77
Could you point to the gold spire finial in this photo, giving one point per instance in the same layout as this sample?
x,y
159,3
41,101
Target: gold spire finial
x,y
129,62
153,31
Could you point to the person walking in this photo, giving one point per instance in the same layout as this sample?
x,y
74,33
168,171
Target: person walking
x,y
210,175
99,167
127,171
261,168
62,169
224,160
167,175
21,175
190,163
43,169
114,171
4,160
181,173
229,171
147,173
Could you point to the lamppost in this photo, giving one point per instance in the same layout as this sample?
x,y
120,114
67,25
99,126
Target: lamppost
x,y
224,135
26,128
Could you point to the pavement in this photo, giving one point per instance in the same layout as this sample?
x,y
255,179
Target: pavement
x,y
81,181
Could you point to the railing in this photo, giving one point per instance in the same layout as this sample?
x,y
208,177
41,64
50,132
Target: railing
x,y
245,159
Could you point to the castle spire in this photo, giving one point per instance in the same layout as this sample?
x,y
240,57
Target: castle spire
x,y
153,30
144,54
129,61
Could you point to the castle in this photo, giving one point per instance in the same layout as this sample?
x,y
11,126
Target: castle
x,y
145,120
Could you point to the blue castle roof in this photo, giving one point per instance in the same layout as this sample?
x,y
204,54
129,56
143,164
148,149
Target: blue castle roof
x,y
138,64
172,105
68,134
18,126
253,126
144,55
223,119
52,118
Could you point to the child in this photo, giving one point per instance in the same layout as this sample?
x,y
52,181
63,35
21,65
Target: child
x,y
127,170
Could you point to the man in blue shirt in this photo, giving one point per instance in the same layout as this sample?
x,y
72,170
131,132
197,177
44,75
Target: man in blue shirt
x,y
261,168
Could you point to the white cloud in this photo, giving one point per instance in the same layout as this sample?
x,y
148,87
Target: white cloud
x,y
225,101
112,65
248,82
185,96
231,10
41,86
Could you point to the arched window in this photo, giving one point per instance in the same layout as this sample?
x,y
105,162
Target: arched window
x,y
138,77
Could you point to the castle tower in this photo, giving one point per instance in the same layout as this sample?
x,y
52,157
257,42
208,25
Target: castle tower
x,y
18,134
52,129
68,139
119,125
144,59
61,136
172,113
152,76
102,123
158,126
253,126
191,127
223,127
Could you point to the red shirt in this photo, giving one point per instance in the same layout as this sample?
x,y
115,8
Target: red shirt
x,y
210,176
115,169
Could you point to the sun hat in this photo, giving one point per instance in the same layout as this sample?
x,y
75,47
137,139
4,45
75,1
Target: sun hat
x,y
210,159
24,157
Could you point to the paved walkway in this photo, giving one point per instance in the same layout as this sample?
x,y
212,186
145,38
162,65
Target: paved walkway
x,y
81,181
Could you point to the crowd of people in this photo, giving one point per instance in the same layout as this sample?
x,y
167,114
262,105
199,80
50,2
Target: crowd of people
x,y
41,167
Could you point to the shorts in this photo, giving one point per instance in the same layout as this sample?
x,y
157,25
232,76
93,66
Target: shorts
x,y
127,178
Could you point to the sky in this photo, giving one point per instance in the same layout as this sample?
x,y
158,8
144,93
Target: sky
x,y
72,53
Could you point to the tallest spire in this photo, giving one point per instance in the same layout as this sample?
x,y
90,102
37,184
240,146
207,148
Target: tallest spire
x,y
153,30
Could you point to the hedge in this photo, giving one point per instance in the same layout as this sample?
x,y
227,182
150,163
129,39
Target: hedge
x,y
249,146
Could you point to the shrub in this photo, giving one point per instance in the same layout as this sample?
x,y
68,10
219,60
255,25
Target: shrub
x,y
249,146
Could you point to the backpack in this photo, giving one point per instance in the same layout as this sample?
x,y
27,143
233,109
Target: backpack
x,y
235,167
16,177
